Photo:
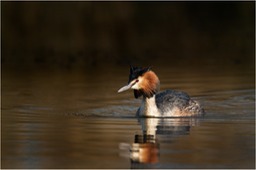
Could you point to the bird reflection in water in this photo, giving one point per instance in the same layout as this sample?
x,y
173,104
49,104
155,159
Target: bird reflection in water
x,y
145,151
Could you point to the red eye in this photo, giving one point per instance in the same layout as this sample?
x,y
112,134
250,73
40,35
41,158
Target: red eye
x,y
136,81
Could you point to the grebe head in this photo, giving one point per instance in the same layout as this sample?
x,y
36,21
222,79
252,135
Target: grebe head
x,y
143,81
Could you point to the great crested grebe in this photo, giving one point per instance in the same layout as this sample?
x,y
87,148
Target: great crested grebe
x,y
168,103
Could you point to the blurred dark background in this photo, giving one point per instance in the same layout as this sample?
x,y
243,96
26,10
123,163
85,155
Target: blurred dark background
x,y
80,34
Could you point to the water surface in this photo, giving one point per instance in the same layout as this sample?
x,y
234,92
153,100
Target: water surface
x,y
76,119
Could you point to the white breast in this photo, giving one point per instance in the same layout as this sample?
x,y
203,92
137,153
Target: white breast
x,y
148,108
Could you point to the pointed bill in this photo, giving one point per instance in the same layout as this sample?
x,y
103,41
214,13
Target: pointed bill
x,y
127,87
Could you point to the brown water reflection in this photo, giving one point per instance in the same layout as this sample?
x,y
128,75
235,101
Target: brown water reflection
x,y
76,119
145,151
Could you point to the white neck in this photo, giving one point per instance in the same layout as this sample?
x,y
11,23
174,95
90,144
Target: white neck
x,y
149,108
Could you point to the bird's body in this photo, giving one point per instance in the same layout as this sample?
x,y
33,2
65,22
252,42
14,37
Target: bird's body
x,y
168,103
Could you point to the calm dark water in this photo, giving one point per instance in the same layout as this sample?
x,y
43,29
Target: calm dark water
x,y
76,119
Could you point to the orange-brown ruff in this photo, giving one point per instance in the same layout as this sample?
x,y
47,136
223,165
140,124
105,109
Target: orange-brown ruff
x,y
168,103
150,83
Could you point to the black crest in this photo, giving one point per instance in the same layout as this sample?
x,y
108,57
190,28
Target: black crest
x,y
135,72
